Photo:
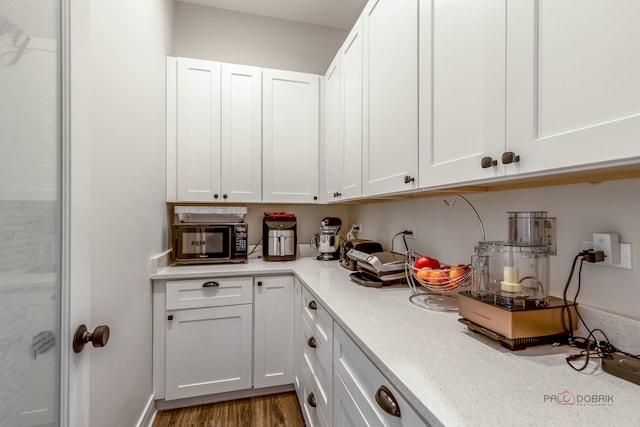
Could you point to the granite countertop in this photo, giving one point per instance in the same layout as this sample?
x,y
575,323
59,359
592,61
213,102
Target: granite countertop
x,y
449,374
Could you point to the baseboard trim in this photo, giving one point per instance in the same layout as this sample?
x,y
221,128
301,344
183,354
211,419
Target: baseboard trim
x,y
148,415
221,397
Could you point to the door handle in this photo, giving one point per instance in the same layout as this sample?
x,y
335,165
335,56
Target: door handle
x,y
210,285
98,338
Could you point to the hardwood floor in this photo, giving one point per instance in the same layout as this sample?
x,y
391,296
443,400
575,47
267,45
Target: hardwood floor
x,y
262,411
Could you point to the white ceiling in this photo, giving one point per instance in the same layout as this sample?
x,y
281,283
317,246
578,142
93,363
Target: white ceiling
x,y
332,13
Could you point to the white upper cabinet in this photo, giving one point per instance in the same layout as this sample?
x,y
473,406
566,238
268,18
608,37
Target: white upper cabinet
x,y
214,133
573,92
342,142
462,93
390,99
333,135
241,165
198,130
290,136
351,81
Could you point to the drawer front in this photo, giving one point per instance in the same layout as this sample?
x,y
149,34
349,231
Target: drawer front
x,y
320,321
209,292
315,402
318,365
364,381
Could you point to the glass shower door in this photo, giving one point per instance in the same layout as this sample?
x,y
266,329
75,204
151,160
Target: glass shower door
x,y
30,212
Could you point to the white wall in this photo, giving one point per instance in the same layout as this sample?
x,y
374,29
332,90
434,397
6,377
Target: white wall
x,y
129,44
239,38
450,234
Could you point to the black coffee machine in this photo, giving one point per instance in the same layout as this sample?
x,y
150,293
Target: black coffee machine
x,y
279,237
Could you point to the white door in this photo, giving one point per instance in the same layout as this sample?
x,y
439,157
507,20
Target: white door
x,y
208,350
351,79
573,93
332,138
290,132
273,331
390,132
34,355
462,94
241,164
198,130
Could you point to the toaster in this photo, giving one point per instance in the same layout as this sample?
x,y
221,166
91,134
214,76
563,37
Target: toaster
x,y
362,245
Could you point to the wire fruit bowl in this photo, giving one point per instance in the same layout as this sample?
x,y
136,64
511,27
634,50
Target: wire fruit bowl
x,y
435,289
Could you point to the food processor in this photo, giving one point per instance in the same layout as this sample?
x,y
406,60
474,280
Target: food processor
x,y
509,297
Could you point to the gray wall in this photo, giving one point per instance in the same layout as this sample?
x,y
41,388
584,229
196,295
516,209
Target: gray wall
x,y
239,38
450,234
127,63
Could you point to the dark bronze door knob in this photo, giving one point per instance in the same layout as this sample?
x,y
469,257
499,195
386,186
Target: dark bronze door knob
x,y
98,338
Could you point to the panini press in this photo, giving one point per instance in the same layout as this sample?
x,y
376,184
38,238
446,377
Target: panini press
x,y
379,269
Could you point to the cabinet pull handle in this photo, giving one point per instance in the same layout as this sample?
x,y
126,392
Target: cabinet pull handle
x,y
312,305
488,162
170,317
311,400
224,196
215,196
509,157
312,342
315,197
210,285
408,179
260,283
387,402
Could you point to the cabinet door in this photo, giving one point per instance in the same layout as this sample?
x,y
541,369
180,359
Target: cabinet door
x,y
241,164
462,94
333,138
290,136
208,350
345,409
198,130
273,331
297,337
351,79
390,99
573,93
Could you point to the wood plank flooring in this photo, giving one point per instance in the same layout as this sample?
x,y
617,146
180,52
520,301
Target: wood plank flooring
x,y
263,411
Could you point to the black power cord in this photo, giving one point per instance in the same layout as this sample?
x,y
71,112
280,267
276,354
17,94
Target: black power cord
x,y
404,234
601,349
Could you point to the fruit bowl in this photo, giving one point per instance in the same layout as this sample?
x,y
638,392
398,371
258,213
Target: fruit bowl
x,y
446,278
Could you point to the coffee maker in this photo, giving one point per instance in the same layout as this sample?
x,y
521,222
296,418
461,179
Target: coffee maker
x,y
327,241
279,236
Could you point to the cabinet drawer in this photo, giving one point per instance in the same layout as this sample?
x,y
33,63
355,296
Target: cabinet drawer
x,y
320,321
318,365
209,292
316,401
364,381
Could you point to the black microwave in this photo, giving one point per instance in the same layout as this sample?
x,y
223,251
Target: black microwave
x,y
210,243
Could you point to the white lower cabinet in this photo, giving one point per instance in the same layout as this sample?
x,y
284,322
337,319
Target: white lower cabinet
x,y
378,403
208,351
207,329
339,386
273,331
219,335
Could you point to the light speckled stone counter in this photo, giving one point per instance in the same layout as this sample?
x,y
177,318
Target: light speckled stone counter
x,y
450,375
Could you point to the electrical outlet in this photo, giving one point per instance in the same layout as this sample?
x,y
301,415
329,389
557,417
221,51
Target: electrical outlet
x,y
625,255
609,244
413,234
